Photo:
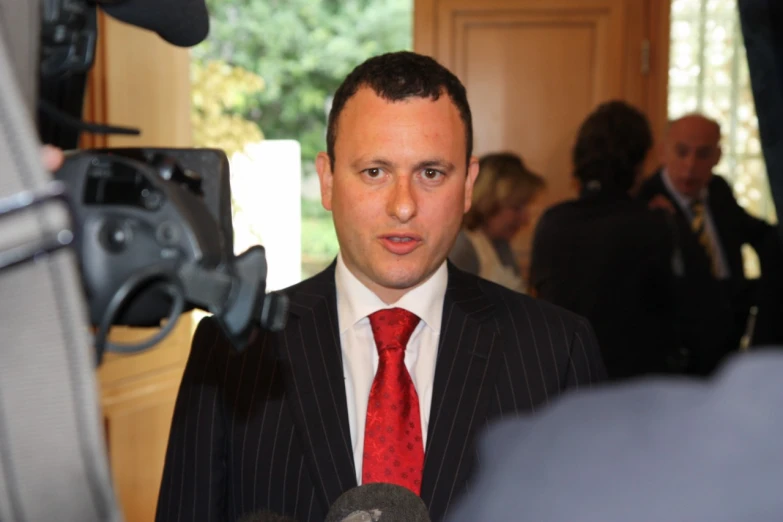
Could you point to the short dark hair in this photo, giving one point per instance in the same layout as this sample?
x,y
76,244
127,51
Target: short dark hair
x,y
611,145
398,76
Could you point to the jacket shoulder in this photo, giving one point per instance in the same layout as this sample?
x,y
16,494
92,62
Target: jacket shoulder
x,y
529,310
720,187
652,187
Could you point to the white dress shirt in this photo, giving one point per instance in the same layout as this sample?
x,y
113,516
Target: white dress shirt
x,y
355,302
685,205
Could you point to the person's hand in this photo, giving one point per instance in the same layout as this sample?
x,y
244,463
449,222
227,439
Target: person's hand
x,y
661,202
51,157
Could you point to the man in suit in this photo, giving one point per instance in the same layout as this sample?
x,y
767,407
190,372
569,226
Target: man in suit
x,y
649,450
391,358
712,227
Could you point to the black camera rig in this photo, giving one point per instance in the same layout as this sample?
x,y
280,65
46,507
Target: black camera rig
x,y
152,227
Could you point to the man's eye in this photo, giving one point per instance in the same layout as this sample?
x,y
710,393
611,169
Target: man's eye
x,y
431,174
373,173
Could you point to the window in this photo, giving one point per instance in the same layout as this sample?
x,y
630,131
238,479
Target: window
x,y
709,74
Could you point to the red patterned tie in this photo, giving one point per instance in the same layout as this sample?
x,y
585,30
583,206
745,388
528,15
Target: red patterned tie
x,y
393,448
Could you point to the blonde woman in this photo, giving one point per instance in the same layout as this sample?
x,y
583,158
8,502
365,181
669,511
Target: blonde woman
x,y
502,195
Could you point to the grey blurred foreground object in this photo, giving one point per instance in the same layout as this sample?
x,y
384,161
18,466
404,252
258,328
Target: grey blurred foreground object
x,y
53,462
647,450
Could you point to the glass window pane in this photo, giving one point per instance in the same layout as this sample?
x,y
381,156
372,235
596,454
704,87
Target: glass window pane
x,y
685,8
721,7
682,100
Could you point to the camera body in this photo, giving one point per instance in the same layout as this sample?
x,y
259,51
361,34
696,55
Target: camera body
x,y
154,238
152,226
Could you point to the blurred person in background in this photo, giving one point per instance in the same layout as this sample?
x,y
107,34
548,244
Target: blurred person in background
x,y
712,228
607,256
502,196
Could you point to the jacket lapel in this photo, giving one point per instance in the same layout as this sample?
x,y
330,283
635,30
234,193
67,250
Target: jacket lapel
x,y
729,244
468,358
315,386
687,238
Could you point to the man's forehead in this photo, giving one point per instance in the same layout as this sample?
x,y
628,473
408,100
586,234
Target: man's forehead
x,y
694,130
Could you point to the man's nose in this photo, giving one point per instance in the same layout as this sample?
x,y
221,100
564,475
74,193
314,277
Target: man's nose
x,y
402,201
689,161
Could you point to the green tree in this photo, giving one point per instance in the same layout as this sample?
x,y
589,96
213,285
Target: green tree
x,y
218,94
218,99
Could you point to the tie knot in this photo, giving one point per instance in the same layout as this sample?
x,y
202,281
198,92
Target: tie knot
x,y
392,327
697,206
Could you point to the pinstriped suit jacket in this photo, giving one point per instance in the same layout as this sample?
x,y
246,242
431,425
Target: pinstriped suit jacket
x,y
267,429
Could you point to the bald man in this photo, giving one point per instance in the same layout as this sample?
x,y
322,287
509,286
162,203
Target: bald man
x,y
711,229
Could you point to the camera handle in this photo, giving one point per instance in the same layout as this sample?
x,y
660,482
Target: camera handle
x,y
236,299
123,295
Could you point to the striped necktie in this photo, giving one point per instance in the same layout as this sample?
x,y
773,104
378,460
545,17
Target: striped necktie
x,y
699,228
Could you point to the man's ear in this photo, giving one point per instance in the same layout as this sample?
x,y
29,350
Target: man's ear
x,y
323,165
470,180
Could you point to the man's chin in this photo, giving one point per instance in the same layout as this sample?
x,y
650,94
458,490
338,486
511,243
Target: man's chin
x,y
401,277
688,190
401,281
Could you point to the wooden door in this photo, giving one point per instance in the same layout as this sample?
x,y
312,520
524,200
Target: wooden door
x,y
534,69
137,397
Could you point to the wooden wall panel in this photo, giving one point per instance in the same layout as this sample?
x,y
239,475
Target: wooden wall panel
x,y
535,68
139,81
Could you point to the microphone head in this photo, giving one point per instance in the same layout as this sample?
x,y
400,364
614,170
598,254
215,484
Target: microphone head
x,y
180,22
378,502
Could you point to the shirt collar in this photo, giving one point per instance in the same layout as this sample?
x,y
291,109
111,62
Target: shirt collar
x,y
355,301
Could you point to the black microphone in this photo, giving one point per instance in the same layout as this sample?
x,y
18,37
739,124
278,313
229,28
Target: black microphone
x,y
265,516
180,22
378,502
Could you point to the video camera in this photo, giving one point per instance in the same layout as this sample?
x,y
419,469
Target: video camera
x,y
116,236
152,226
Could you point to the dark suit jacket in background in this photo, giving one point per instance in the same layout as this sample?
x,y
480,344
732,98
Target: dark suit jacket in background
x,y
734,226
606,257
729,300
268,428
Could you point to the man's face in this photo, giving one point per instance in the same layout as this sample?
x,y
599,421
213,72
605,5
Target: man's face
x,y
692,150
399,188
